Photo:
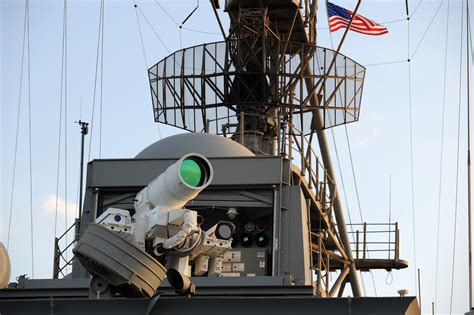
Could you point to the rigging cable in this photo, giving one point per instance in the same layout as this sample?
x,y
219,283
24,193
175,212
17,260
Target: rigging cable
x,y
355,182
357,194
17,129
29,144
65,128
411,153
416,8
427,29
185,20
441,151
140,33
153,29
457,164
60,121
389,277
420,41
174,21
101,16
384,63
143,51
394,21
199,31
167,13
468,96
343,186
101,79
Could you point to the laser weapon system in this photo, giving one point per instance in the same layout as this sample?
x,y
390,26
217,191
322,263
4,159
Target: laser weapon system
x,y
160,228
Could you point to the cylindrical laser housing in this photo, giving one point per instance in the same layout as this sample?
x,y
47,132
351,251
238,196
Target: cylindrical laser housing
x,y
180,183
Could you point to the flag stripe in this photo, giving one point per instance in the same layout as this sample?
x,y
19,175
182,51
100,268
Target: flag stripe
x,y
345,24
339,17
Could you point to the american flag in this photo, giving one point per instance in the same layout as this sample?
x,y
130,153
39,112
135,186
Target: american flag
x,y
340,18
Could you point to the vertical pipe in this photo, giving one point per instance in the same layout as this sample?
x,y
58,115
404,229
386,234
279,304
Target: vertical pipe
x,y
337,206
56,258
397,242
325,153
310,170
357,244
419,287
81,176
469,227
320,257
242,124
364,246
276,231
290,136
328,270
84,131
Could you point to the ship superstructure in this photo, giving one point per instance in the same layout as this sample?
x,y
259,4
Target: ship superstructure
x,y
255,104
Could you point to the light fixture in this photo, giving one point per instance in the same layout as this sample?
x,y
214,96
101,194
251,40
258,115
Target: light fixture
x,y
232,213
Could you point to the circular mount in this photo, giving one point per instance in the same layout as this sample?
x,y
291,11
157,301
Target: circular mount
x,y
99,285
124,266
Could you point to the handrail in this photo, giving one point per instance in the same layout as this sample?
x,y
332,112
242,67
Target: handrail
x,y
392,248
59,254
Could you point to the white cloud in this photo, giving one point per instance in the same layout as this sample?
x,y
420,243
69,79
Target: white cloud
x,y
371,138
52,202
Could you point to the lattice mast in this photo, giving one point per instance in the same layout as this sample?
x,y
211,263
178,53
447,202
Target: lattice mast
x,y
269,87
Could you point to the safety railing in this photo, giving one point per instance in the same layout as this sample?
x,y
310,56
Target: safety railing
x,y
321,263
300,149
375,240
62,259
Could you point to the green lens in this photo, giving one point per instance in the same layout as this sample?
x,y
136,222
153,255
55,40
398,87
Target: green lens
x,y
190,172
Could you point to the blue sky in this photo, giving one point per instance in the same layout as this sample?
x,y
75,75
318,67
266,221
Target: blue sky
x,y
379,141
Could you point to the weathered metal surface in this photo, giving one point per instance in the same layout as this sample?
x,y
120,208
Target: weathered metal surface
x,y
196,88
227,171
107,255
236,305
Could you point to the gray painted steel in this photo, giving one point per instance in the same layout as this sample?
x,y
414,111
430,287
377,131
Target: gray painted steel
x,y
246,171
106,254
236,305
216,286
206,144
295,253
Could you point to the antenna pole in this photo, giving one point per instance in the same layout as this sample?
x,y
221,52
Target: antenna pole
x,y
419,287
84,131
469,159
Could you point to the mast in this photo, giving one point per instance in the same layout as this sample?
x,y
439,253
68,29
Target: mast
x,y
84,131
269,87
325,154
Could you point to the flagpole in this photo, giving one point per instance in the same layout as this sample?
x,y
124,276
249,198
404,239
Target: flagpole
x,y
354,13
